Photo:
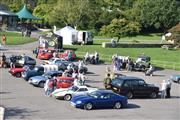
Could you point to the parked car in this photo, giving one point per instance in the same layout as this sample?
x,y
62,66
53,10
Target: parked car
x,y
133,86
17,71
45,54
61,63
74,66
99,99
39,70
64,82
39,81
71,91
21,60
54,61
66,56
175,78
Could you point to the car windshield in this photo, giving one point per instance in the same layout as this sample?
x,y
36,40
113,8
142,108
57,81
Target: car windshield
x,y
117,82
73,88
95,94
47,75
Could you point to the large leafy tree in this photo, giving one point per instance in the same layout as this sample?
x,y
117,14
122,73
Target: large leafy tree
x,y
69,11
120,28
160,14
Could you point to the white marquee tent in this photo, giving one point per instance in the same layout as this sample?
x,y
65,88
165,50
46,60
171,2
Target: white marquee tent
x,y
68,34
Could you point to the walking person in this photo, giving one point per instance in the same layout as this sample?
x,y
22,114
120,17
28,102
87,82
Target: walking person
x,y
168,95
46,87
163,89
3,62
4,40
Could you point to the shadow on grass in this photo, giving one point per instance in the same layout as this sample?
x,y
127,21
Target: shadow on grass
x,y
14,112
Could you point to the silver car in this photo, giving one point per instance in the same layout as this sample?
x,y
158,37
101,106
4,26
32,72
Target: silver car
x,y
39,81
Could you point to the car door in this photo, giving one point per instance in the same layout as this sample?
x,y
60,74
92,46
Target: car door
x,y
104,101
142,88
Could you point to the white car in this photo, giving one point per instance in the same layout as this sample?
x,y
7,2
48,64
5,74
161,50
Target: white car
x,y
54,61
68,93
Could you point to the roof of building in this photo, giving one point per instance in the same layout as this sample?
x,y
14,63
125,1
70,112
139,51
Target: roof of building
x,y
25,14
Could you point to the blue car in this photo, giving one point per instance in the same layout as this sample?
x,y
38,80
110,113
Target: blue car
x,y
175,78
99,99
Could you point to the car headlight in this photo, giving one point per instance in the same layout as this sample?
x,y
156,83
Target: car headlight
x,y
78,102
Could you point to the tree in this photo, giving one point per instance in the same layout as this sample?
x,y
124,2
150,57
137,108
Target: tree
x,y
69,11
160,14
175,34
120,28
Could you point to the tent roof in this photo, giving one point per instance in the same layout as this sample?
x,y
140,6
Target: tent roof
x,y
24,13
65,29
7,13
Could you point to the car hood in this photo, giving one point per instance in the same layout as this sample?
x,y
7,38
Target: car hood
x,y
60,90
152,86
17,69
39,78
81,97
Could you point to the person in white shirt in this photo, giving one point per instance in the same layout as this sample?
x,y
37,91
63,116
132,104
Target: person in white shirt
x,y
163,89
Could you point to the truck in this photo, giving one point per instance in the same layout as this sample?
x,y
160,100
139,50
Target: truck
x,y
85,37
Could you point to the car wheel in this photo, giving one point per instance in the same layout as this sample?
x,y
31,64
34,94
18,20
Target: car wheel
x,y
179,81
117,105
88,106
67,97
41,84
129,95
153,95
18,75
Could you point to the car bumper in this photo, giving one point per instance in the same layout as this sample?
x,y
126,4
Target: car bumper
x,y
33,82
12,73
77,105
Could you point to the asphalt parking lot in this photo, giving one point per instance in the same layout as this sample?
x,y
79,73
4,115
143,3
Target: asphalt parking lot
x,y
23,101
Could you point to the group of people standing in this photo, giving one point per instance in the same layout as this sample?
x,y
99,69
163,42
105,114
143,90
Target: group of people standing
x,y
92,58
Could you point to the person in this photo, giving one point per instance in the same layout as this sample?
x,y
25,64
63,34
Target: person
x,y
168,89
12,61
107,81
74,74
4,39
113,42
3,60
46,87
96,57
163,89
150,70
55,54
65,73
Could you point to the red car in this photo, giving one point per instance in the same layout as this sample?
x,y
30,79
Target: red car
x,y
45,54
17,71
64,82
68,55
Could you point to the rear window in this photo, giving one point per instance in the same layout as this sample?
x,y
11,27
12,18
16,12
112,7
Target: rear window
x,y
117,82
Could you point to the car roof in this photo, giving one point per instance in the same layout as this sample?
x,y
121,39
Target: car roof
x,y
55,71
104,91
65,78
127,78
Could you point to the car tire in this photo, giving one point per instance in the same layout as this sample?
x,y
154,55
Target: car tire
x,y
153,95
88,106
129,95
117,105
178,81
67,97
41,84
18,74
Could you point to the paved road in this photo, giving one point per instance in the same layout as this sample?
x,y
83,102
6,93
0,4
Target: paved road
x,y
23,101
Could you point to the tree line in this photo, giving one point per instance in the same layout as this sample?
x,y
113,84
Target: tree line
x,y
108,17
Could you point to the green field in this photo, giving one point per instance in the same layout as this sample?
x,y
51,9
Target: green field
x,y
160,57
14,38
142,37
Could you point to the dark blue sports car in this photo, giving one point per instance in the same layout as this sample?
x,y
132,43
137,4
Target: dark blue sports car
x,y
99,99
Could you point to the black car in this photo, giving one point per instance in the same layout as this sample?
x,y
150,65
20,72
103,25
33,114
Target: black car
x,y
133,86
20,61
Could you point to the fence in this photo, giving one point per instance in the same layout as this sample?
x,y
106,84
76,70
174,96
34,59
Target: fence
x,y
163,64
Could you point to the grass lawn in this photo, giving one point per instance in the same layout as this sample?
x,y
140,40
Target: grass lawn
x,y
14,38
160,57
142,37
